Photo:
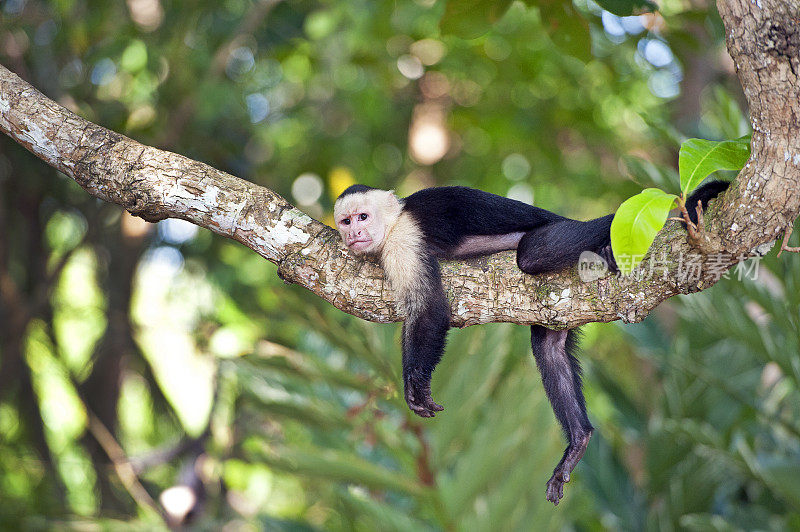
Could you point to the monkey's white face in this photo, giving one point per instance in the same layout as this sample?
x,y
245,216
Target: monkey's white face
x,y
361,229
363,219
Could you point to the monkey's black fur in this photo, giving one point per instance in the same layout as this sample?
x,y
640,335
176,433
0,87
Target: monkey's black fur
x,y
548,242
703,194
450,213
424,334
460,222
565,240
355,189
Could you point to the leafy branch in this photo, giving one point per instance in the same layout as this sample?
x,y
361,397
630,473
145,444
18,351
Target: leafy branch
x,y
639,219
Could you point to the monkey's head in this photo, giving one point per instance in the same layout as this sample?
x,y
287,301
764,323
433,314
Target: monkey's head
x,y
364,216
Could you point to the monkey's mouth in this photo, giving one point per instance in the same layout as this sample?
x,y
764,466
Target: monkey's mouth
x,y
359,245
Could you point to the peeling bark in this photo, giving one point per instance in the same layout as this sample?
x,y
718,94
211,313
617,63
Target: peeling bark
x,y
763,39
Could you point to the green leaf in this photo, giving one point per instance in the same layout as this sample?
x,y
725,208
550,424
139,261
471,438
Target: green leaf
x,y
380,515
567,28
698,158
134,58
783,476
706,521
340,466
627,7
635,225
469,19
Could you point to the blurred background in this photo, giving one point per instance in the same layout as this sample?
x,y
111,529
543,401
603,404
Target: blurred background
x,y
156,374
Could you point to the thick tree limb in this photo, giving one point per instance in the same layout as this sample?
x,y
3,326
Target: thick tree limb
x,y
763,40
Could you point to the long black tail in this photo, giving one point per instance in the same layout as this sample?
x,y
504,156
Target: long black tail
x,y
554,352
702,195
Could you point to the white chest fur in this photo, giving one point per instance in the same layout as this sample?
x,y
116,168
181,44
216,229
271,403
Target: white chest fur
x,y
402,261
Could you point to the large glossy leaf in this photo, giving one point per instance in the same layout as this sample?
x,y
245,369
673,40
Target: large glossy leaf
x,y
635,225
699,158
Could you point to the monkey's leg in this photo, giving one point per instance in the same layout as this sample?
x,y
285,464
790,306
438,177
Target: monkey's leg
x,y
558,245
561,376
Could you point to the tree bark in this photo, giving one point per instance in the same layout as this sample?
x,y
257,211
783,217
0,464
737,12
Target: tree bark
x,y
763,39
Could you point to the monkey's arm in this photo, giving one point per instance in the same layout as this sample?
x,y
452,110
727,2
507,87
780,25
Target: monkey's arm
x,y
424,333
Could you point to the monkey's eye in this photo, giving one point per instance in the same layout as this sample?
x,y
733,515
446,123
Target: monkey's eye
x,y
363,216
346,221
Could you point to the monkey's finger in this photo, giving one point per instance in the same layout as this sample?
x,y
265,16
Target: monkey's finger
x,y
422,411
555,488
555,493
418,409
432,405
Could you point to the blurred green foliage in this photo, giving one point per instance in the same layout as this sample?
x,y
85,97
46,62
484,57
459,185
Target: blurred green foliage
x,y
276,411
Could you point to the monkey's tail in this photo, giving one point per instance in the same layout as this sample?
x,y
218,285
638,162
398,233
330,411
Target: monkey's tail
x,y
554,352
703,195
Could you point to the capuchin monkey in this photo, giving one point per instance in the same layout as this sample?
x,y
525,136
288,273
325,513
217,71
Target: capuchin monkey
x,y
409,235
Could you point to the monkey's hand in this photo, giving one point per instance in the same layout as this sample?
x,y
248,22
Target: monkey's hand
x,y
608,256
418,396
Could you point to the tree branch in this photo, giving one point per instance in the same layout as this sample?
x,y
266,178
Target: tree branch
x,y
156,184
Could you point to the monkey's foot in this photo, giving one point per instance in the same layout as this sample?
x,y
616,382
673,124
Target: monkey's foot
x,y
561,474
418,397
785,243
608,256
555,486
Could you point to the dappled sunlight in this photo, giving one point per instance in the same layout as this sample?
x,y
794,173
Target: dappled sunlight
x,y
186,377
428,139
168,302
